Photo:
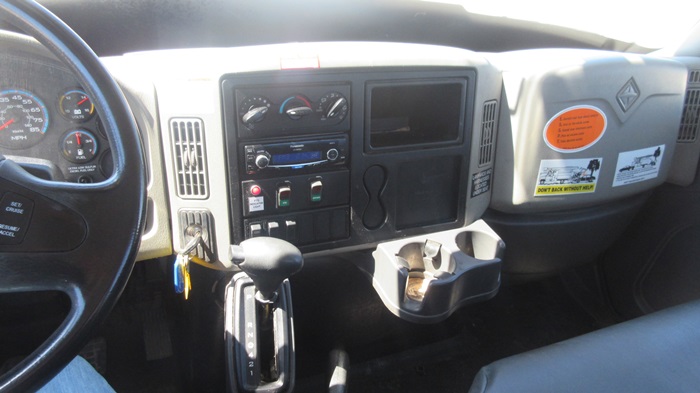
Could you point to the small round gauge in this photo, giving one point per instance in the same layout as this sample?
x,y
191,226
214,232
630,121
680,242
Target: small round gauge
x,y
79,146
76,106
253,109
23,119
333,106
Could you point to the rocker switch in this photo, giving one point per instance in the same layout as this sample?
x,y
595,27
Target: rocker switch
x,y
273,229
284,196
316,191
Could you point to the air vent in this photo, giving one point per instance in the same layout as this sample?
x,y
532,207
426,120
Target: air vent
x,y
190,158
691,117
694,76
488,127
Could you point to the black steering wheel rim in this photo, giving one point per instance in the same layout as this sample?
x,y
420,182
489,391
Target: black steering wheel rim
x,y
107,217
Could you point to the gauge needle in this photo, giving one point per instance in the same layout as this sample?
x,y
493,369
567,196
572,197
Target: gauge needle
x,y
7,124
77,138
81,101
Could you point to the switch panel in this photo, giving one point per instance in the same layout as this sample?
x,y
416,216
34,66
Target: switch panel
x,y
266,197
304,228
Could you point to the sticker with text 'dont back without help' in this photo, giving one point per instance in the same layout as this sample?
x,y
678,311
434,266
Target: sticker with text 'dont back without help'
x,y
566,177
575,129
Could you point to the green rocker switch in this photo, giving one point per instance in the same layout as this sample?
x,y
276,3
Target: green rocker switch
x,y
316,191
284,195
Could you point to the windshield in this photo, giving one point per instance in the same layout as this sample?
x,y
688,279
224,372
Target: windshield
x,y
650,25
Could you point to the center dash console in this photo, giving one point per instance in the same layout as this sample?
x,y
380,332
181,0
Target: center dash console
x,y
332,160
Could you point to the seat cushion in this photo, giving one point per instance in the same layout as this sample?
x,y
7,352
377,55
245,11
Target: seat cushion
x,y
659,352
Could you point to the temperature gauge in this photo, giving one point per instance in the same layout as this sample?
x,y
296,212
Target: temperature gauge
x,y
75,105
79,146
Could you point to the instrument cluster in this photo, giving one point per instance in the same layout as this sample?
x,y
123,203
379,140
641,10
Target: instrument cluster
x,y
49,125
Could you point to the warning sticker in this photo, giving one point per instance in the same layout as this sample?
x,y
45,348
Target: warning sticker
x,y
256,204
638,165
562,177
481,182
575,129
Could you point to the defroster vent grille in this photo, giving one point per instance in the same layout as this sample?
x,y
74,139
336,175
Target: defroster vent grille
x,y
690,122
189,152
488,128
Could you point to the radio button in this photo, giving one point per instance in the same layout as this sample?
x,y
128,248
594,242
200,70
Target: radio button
x,y
332,154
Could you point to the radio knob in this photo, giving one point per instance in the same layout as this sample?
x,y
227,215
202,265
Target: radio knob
x,y
262,161
332,154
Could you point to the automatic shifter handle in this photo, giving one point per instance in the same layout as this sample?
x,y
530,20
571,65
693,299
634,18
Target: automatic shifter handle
x,y
267,261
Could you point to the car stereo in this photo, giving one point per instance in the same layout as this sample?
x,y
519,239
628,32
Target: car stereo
x,y
292,156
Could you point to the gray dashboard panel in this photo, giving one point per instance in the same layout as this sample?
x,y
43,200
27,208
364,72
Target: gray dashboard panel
x,y
640,99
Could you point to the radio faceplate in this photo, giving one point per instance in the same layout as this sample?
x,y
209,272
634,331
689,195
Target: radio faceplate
x,y
290,157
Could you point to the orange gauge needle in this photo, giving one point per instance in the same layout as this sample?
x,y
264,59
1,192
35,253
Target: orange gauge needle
x,y
77,137
7,124
81,101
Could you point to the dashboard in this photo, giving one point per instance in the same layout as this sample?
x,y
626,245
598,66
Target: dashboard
x,y
342,146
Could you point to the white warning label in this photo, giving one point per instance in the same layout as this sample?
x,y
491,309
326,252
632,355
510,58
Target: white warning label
x,y
562,177
256,204
638,165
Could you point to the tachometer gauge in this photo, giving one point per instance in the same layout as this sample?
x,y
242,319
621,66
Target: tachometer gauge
x,y
75,105
79,146
23,119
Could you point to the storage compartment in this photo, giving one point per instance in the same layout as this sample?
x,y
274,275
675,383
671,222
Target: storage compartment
x,y
426,278
428,192
416,113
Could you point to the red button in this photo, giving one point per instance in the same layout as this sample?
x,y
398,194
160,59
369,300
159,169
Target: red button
x,y
255,190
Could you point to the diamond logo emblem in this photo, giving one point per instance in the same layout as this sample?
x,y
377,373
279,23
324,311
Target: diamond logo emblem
x,y
628,95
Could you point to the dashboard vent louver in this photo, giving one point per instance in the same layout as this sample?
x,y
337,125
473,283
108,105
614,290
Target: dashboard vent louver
x,y
690,122
189,153
488,128
694,76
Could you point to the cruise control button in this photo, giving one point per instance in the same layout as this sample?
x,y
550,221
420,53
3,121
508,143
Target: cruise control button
x,y
15,215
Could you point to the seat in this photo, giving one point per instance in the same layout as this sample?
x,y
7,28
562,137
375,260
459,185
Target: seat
x,y
659,352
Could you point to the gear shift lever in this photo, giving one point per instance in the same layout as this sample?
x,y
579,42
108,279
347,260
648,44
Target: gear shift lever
x,y
258,311
267,261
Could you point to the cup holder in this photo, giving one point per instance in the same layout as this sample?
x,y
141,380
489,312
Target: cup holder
x,y
479,245
426,278
427,257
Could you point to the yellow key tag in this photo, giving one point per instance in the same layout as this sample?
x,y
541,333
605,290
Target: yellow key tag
x,y
188,281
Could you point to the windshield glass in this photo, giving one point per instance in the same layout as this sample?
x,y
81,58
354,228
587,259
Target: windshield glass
x,y
651,25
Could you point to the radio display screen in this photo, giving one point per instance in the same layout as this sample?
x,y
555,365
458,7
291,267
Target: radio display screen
x,y
295,158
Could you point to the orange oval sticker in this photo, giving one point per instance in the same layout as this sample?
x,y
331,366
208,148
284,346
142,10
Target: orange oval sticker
x,y
575,129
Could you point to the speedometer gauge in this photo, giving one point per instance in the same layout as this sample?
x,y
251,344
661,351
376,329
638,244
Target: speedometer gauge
x,y
23,119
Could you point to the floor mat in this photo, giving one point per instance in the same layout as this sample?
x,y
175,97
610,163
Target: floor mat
x,y
388,354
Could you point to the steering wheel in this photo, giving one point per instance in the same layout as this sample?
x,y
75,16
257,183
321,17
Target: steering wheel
x,y
80,239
